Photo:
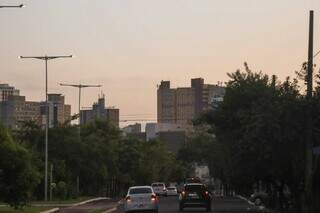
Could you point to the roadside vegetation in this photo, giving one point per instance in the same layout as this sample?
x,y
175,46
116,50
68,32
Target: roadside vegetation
x,y
102,163
256,137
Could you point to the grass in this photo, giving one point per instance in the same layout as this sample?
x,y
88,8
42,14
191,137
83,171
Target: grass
x,y
7,209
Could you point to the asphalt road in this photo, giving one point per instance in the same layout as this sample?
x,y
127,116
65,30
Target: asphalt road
x,y
169,205
90,207
219,205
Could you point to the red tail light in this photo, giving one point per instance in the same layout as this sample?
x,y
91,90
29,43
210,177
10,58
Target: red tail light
x,y
153,197
206,193
128,199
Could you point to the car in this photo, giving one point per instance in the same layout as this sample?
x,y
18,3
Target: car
x,y
195,195
192,180
141,198
172,191
159,188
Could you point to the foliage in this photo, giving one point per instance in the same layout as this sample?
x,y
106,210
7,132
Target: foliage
x,y
18,177
259,128
101,158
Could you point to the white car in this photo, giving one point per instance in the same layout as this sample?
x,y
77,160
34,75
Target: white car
x,y
141,198
172,191
159,189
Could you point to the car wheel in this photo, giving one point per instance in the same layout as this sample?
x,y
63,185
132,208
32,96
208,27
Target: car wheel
x,y
258,201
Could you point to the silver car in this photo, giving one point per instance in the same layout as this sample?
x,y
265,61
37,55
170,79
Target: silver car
x,y
141,198
172,191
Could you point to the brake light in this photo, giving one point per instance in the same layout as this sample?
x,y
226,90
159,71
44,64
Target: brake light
x,y
206,193
128,199
153,197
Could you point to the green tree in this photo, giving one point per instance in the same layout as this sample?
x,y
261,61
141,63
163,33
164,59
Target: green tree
x,y
18,177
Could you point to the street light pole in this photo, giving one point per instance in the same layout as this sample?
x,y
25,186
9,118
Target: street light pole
x,y
79,86
12,6
46,58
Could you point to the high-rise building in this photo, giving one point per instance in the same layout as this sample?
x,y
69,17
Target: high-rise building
x,y
100,112
6,91
15,110
166,103
181,105
113,115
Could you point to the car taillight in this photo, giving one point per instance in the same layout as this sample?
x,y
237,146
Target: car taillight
x,y
183,193
206,193
128,199
153,197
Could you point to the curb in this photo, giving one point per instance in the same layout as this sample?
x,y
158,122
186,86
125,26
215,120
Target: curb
x,y
110,210
261,208
77,204
245,199
91,200
51,210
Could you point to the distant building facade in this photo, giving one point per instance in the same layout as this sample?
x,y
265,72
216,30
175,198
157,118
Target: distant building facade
x,y
6,91
100,112
133,128
15,110
181,105
59,112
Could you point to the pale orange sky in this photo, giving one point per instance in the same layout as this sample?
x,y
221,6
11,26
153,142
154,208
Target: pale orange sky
x,y
129,46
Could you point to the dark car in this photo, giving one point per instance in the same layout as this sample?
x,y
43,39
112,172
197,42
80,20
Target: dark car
x,y
195,195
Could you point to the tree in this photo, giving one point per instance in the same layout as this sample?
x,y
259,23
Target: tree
x,y
18,177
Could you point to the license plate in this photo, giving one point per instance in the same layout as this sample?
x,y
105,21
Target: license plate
x,y
193,196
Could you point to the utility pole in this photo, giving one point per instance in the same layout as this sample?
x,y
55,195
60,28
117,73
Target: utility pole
x,y
46,59
307,205
79,86
51,179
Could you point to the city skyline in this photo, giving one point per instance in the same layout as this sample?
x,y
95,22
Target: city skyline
x,y
130,46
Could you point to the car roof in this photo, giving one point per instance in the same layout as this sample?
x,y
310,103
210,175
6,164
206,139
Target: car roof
x,y
194,184
139,187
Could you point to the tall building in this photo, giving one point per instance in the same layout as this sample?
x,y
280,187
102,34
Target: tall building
x,y
15,110
99,112
166,103
59,112
181,105
6,91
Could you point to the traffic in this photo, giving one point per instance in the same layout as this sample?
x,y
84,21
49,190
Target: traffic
x,y
194,194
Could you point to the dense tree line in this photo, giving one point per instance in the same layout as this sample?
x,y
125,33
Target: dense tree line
x,y
260,131
103,160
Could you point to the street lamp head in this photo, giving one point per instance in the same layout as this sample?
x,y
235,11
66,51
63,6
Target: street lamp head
x,y
22,5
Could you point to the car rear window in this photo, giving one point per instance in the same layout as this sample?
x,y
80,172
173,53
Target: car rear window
x,y
157,185
140,191
194,188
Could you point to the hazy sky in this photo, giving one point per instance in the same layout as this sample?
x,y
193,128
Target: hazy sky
x,y
129,46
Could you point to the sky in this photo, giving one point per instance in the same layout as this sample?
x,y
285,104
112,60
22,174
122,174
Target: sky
x,y
129,46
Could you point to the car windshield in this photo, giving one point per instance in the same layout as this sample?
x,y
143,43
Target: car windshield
x,y
140,191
